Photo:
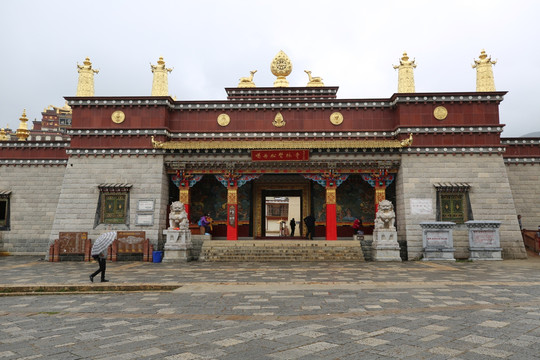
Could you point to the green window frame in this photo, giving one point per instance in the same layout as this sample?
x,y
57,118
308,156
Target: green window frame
x,y
113,204
453,208
113,209
453,202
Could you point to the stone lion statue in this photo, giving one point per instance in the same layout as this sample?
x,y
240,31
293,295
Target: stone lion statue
x,y
385,217
178,216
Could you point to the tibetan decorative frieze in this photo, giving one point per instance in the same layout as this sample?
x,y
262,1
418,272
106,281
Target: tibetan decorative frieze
x,y
280,155
284,144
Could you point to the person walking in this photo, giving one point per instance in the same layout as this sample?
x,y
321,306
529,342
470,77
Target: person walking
x,y
310,224
293,226
101,258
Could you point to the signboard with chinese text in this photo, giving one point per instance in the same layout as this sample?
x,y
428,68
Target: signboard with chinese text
x,y
279,155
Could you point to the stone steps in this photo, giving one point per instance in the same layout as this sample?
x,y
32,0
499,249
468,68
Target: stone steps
x,y
281,250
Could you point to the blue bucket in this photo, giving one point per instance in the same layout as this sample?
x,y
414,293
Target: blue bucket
x,y
157,256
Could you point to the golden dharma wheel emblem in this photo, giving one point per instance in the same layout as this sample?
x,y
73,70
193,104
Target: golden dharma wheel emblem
x,y
336,118
118,117
440,113
223,119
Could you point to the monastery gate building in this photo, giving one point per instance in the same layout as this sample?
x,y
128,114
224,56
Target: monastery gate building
x,y
435,156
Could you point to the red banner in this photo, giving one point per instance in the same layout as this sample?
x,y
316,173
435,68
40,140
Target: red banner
x,y
279,155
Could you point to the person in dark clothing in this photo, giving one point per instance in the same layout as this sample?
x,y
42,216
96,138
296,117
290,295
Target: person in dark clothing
x,y
293,226
101,258
310,223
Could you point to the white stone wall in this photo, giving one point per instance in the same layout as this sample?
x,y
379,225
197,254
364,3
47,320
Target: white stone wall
x,y
490,196
525,185
77,205
34,195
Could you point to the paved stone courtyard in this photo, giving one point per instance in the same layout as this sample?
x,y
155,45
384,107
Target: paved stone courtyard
x,y
410,310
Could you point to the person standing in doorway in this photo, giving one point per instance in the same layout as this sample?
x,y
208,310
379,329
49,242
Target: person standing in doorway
x,y
310,224
293,226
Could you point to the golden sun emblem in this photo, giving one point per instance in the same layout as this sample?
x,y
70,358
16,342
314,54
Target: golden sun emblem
x,y
336,118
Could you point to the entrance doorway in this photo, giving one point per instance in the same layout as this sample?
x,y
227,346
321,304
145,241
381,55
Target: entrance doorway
x,y
280,208
291,194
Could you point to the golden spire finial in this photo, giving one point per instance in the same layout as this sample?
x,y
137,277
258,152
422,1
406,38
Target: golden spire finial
x,y
405,74
22,132
484,72
281,67
85,87
247,82
313,81
4,136
160,84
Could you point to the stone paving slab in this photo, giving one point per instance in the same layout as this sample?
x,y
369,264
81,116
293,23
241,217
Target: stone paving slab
x,y
410,310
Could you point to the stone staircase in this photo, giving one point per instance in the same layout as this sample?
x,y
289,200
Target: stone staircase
x,y
281,250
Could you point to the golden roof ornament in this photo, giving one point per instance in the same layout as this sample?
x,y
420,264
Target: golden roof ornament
x,y
160,84
281,67
405,74
4,136
484,72
313,81
22,132
85,87
247,82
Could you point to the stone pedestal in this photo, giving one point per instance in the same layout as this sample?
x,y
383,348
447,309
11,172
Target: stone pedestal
x,y
178,246
385,246
438,240
484,240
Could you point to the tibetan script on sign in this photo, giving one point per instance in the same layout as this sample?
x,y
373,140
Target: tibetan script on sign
x,y
279,155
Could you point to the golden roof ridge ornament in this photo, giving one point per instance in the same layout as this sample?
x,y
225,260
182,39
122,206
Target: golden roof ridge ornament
x,y
313,81
160,83
4,136
484,72
247,82
85,86
405,74
281,67
22,132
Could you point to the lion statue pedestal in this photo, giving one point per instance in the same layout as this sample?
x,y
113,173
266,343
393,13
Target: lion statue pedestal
x,y
178,244
385,246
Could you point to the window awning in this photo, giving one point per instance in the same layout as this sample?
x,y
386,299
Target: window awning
x,y
114,187
5,193
452,187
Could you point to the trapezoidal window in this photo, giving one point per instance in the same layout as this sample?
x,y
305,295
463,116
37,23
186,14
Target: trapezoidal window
x,y
4,209
453,202
113,203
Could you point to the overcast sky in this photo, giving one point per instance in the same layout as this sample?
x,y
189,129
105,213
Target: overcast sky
x,y
211,44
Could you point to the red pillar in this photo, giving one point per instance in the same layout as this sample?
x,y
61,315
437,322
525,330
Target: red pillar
x,y
232,211
331,217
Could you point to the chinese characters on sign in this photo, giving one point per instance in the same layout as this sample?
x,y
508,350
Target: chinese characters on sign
x,y
279,155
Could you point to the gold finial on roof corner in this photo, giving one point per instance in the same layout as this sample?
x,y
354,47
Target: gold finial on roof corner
x,y
22,132
85,86
313,81
484,72
281,67
4,136
160,83
247,82
405,74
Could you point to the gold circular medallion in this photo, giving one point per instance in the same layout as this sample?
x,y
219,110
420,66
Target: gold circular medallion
x,y
440,113
336,118
223,119
118,116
